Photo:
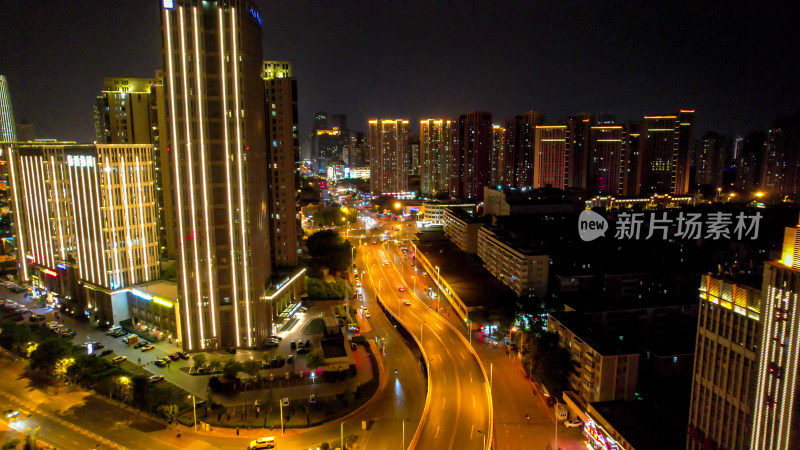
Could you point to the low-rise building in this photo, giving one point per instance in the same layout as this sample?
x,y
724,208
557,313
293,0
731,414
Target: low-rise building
x,y
433,211
512,261
639,425
154,309
462,228
606,369
498,201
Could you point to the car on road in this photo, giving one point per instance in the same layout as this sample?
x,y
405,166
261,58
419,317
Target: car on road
x,y
401,289
106,352
573,423
366,314
353,345
374,242
147,348
118,359
11,413
386,263
183,355
406,302
262,443
174,357
155,378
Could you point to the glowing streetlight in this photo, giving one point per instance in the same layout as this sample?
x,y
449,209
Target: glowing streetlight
x,y
759,194
397,205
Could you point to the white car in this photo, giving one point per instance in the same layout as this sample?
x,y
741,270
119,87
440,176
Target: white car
x,y
262,443
573,423
366,314
406,302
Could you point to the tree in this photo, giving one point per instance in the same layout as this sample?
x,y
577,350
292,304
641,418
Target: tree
x,y
199,359
251,367
552,363
231,368
328,249
47,353
349,397
141,392
315,358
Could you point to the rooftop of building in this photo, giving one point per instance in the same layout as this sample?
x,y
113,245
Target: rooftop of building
x,y
518,242
595,337
527,195
466,216
160,288
751,280
643,424
463,271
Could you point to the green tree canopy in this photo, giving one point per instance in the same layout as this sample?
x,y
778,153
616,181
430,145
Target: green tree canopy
x,y
46,355
315,358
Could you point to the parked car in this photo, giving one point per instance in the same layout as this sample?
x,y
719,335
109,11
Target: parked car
x,y
312,399
155,378
300,346
293,345
140,344
174,357
118,359
272,336
353,345
289,359
231,350
573,423
271,344
147,348
106,352
285,401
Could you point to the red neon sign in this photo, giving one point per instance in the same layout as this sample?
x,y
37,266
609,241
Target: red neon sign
x,y
52,273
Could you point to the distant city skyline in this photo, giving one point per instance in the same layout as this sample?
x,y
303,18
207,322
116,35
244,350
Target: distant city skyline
x,y
728,63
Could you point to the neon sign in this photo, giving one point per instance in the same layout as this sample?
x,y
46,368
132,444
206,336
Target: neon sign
x,y
62,266
50,272
169,4
599,439
256,16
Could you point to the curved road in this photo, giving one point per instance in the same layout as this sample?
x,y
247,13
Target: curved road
x,y
459,414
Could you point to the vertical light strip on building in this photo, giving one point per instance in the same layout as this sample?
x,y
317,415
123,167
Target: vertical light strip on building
x,y
97,230
228,174
190,169
791,367
123,170
87,251
56,186
143,241
111,206
178,185
200,126
239,157
758,419
21,233
78,235
27,179
97,204
90,230
41,192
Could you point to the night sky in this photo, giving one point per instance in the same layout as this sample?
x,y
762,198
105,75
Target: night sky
x,y
736,63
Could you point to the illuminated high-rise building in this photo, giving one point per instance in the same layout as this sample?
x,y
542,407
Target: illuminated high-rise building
x,y
471,165
709,160
631,162
776,409
388,156
216,130
665,146
725,363
436,149
8,131
498,155
91,207
280,88
550,160
577,157
132,111
780,167
605,160
520,153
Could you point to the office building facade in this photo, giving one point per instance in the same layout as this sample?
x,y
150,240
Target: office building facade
x,y
550,161
606,160
471,168
666,145
726,358
8,130
498,155
216,132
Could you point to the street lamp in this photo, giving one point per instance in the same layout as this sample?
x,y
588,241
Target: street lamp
x,y
194,410
341,428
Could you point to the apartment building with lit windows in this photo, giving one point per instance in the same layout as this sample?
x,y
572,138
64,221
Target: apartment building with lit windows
x,y
436,152
606,369
461,227
550,160
280,89
606,163
388,156
433,211
665,150
726,359
513,262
